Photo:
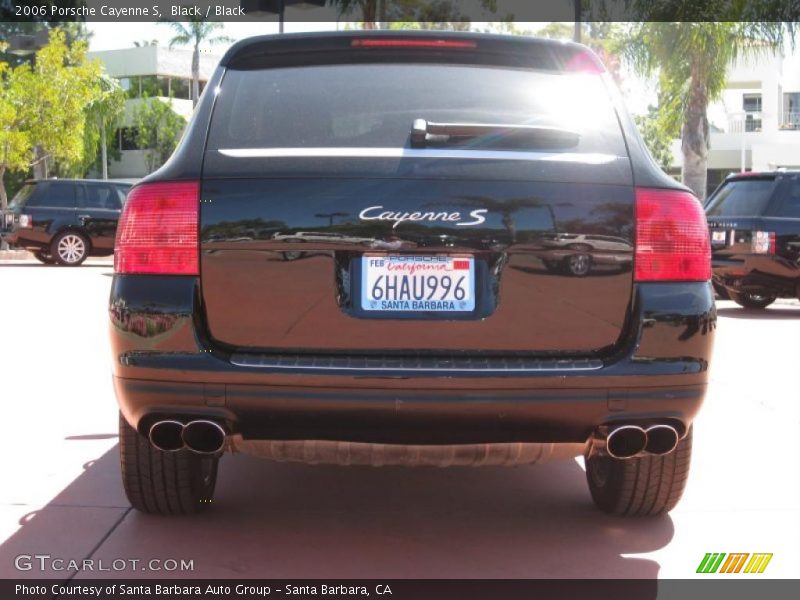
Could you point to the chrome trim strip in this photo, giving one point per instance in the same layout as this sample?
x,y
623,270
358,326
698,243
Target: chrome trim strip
x,y
543,369
576,157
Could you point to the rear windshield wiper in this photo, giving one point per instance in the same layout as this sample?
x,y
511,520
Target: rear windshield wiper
x,y
492,135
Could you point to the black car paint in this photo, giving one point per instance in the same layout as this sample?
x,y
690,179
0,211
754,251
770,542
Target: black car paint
x,y
97,224
169,362
736,267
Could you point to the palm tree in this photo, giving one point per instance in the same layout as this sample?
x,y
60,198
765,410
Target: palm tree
x,y
106,110
691,60
368,9
196,31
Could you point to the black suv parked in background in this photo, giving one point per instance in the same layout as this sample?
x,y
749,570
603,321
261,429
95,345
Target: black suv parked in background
x,y
64,221
429,176
754,220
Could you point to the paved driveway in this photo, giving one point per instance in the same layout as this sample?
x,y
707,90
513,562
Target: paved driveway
x,y
61,494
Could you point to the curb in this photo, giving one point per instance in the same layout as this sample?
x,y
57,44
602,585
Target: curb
x,y
16,255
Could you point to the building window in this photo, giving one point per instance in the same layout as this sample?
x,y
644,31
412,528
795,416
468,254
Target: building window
x,y
126,137
154,86
181,88
791,111
751,104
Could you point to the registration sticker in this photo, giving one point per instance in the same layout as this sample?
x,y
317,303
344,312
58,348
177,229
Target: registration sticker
x,y
418,283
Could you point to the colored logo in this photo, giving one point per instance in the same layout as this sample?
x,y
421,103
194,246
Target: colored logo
x,y
719,562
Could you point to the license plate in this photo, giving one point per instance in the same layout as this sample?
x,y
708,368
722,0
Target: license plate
x,y
422,283
718,237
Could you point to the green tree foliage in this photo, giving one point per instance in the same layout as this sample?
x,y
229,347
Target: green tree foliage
x,y
15,142
75,31
196,32
158,129
657,136
43,107
690,60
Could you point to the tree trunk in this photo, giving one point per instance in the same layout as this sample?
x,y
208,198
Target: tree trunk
x,y
103,150
3,194
39,163
369,11
695,136
3,200
195,75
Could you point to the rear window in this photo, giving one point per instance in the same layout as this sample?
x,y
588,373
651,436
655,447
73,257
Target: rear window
x,y
374,105
101,197
741,198
789,203
52,194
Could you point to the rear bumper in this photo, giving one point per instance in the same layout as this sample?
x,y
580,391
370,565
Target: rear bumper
x,y
412,416
758,273
165,366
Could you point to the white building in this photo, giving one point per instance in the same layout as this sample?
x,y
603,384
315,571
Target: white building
x,y
756,123
160,72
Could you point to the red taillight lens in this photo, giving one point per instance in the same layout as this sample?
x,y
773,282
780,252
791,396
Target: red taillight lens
x,y
411,43
671,237
763,242
585,62
157,233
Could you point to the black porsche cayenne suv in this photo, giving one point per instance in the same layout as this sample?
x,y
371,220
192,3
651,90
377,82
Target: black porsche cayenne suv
x,y
417,321
755,237
64,221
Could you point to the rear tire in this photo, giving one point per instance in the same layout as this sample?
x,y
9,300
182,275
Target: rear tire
x,y
748,300
640,487
44,257
164,483
721,291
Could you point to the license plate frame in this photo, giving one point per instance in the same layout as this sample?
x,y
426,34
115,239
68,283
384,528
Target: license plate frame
x,y
418,296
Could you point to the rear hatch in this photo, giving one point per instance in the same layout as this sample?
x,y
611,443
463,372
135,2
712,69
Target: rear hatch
x,y
754,222
736,214
410,199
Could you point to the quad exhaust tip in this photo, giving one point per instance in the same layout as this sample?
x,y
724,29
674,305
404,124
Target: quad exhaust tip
x,y
201,436
204,437
627,441
166,435
661,439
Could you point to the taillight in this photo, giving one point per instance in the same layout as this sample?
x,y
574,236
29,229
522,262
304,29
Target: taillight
x,y
157,233
671,237
25,222
763,242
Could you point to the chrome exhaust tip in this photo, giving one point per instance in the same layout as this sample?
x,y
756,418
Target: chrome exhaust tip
x,y
661,439
166,435
204,437
626,441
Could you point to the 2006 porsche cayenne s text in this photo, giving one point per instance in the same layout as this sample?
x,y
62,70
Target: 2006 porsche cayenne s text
x,y
349,259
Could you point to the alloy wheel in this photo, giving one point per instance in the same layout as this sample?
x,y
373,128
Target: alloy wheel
x,y
71,248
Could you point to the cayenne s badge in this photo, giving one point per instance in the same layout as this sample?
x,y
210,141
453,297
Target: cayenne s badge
x,y
371,214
